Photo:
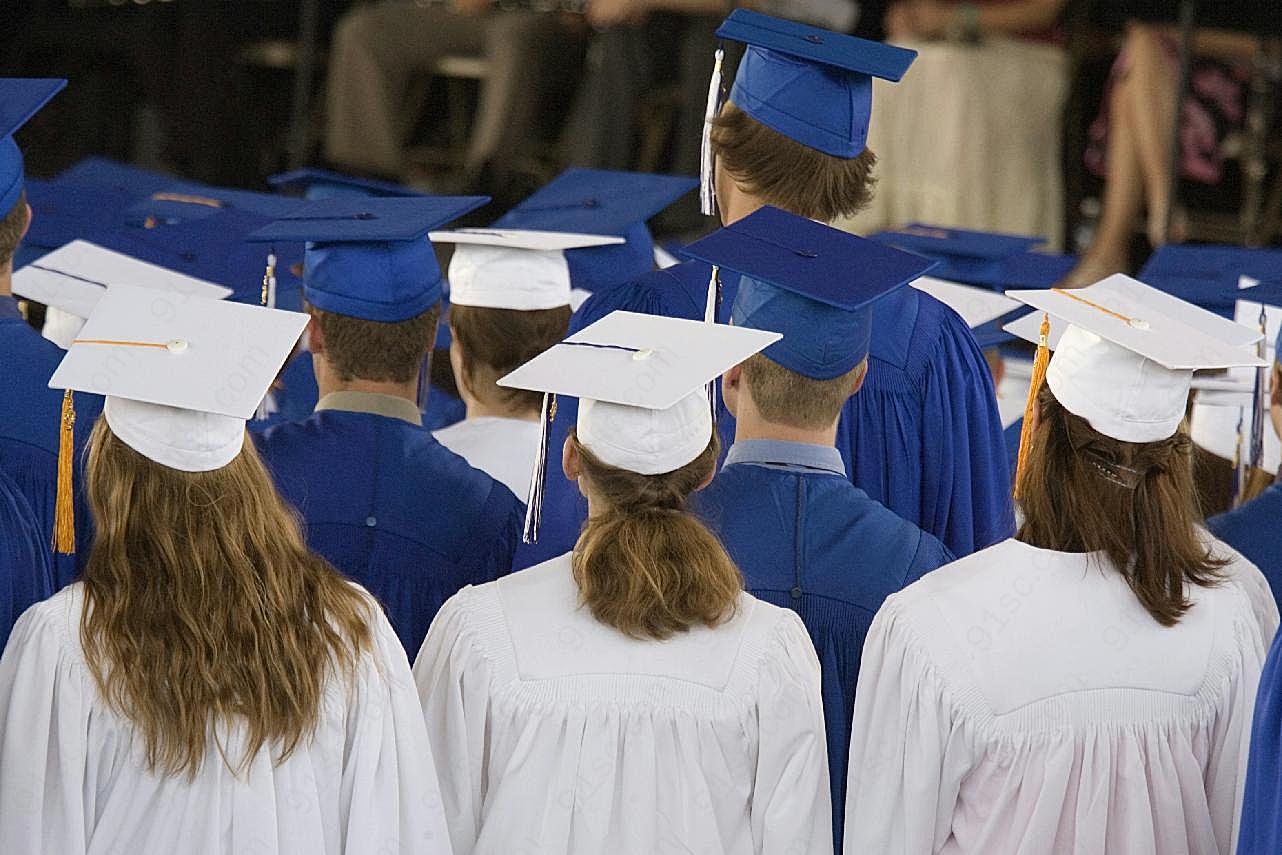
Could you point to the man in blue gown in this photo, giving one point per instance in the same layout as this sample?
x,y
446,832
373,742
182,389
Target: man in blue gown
x,y
924,436
31,412
381,499
803,535
26,575
1261,830
1255,528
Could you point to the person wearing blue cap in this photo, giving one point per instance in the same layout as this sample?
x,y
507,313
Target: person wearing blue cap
x,y
383,500
923,437
31,412
1255,528
26,575
803,535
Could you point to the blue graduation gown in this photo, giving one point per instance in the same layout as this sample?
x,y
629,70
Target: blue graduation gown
x,y
807,539
1255,530
1261,830
923,437
394,509
30,416
26,575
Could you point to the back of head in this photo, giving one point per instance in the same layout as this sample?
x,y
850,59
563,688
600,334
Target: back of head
x,y
205,609
495,342
13,225
782,172
785,397
643,564
379,351
1083,491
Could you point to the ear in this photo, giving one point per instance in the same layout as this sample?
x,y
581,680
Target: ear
x,y
730,389
857,382
315,338
707,479
27,225
571,465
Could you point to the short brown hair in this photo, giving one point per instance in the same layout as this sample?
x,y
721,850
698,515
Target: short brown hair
x,y
789,175
785,397
1083,491
645,565
373,350
11,229
494,342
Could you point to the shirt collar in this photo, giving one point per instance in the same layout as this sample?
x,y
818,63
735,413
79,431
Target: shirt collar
x,y
787,455
374,403
9,308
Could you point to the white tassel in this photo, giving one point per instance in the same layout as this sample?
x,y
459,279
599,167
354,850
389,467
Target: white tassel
x,y
268,298
534,501
707,192
714,296
271,280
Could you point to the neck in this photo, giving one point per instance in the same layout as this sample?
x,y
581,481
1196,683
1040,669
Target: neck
x,y
750,425
327,383
742,204
477,409
6,280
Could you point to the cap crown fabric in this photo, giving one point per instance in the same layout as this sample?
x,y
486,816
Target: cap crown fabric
x,y
20,99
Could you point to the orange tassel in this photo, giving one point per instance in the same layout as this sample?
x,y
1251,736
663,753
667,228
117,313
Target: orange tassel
x,y
64,519
1040,362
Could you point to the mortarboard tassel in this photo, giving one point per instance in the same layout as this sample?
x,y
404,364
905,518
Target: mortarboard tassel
x,y
64,516
534,501
714,296
268,299
707,192
1040,362
424,382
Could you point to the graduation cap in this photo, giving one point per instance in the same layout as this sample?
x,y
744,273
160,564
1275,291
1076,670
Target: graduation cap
x,y
180,204
513,268
810,282
20,99
641,383
313,183
983,311
75,277
809,84
1125,360
64,211
95,171
369,257
601,202
971,257
181,373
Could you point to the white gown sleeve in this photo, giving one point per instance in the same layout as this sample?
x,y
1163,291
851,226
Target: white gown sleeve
x,y
908,752
792,801
453,686
390,796
46,699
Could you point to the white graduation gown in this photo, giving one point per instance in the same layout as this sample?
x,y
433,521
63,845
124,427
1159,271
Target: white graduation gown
x,y
557,734
1023,701
504,449
73,777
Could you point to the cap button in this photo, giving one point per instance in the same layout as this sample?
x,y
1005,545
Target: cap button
x,y
806,253
643,354
364,215
176,345
371,522
1137,324
815,39
796,593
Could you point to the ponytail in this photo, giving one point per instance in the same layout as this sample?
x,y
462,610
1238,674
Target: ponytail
x,y
643,564
1083,491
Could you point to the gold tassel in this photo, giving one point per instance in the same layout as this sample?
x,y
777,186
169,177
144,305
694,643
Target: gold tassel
x,y
64,519
1040,362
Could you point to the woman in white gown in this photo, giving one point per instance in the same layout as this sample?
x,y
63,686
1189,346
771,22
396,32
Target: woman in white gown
x,y
209,685
1087,686
629,697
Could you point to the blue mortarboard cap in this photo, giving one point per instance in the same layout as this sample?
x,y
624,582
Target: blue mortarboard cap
x,y
992,334
810,84
970,257
369,257
180,203
810,282
601,202
313,183
1035,270
20,99
105,172
63,212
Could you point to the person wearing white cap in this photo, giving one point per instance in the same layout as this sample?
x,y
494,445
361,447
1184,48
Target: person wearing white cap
x,y
1086,686
209,685
629,696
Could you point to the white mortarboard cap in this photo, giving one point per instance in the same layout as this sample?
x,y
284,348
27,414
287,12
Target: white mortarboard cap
x,y
513,268
640,380
1126,357
74,277
182,374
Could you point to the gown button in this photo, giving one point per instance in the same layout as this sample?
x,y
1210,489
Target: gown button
x,y
371,522
796,593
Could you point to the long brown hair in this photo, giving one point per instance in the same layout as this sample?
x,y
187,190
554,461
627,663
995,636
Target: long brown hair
x,y
494,342
644,565
1083,491
204,607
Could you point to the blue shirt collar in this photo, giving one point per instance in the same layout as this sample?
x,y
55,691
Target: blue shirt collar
x,y
787,455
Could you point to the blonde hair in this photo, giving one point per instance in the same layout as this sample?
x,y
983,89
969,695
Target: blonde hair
x,y
784,397
204,607
644,565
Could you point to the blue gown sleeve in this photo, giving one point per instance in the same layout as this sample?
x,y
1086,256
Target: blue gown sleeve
x,y
1261,829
